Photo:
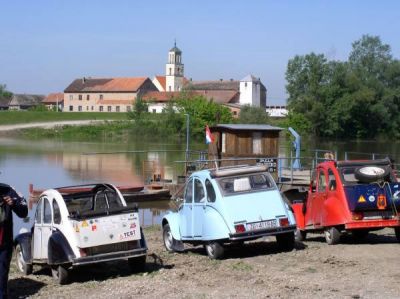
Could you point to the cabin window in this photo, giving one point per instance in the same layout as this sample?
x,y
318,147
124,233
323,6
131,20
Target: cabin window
x,y
223,145
47,211
57,213
199,195
38,216
321,181
257,147
189,192
210,192
332,180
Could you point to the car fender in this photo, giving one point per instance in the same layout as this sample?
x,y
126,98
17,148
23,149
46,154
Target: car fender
x,y
59,250
173,220
214,225
25,240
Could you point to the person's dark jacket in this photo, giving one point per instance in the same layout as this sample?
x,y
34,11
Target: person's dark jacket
x,y
20,208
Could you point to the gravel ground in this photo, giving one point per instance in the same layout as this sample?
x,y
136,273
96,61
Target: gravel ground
x,y
367,269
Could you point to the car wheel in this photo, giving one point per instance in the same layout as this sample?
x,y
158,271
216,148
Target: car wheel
x,y
332,236
359,234
397,233
137,264
214,250
285,241
168,238
300,235
60,274
22,266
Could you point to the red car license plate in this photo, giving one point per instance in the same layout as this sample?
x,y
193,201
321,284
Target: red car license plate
x,y
261,225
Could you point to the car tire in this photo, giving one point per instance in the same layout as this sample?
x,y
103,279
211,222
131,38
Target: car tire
x,y
397,233
359,234
22,266
168,238
215,250
60,274
332,235
286,241
300,235
137,264
369,174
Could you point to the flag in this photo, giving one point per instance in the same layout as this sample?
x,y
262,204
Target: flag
x,y
209,136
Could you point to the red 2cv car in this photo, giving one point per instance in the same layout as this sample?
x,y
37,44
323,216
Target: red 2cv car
x,y
352,196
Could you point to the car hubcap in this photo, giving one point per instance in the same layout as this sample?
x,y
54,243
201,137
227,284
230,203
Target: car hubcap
x,y
20,260
168,239
210,250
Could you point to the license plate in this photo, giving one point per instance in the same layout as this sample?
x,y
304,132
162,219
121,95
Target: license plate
x,y
261,225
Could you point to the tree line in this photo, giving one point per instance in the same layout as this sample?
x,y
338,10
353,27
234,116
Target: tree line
x,y
357,98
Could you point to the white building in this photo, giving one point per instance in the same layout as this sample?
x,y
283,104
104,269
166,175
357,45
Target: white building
x,y
277,111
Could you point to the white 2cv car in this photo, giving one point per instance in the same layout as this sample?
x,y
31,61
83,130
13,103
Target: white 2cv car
x,y
228,205
81,225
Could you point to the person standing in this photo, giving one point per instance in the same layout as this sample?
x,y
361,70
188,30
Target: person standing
x,y
10,201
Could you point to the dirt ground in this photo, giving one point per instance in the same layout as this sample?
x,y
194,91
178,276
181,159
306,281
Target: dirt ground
x,y
367,269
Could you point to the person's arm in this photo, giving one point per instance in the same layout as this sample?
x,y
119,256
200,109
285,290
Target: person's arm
x,y
17,203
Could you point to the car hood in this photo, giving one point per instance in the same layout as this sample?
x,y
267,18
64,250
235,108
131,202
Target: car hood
x,y
254,207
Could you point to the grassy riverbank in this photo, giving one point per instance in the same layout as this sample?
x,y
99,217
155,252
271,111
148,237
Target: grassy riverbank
x,y
18,117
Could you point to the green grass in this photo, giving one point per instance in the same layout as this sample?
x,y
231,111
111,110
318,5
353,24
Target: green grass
x,y
17,117
242,266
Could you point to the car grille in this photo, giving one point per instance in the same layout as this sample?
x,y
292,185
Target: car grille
x,y
115,247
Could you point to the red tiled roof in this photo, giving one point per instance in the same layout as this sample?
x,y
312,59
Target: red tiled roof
x,y
162,80
106,85
160,96
114,102
220,96
53,98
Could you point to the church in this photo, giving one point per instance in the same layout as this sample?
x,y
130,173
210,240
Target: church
x,y
118,94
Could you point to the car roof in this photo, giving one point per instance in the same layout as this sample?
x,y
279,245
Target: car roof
x,y
230,171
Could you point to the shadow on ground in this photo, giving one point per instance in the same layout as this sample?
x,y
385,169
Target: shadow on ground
x,y
24,287
347,238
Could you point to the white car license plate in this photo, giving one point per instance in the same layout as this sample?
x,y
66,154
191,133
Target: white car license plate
x,y
261,225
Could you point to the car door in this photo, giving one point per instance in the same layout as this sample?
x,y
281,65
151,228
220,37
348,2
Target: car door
x,y
199,201
186,212
46,227
37,231
320,197
309,204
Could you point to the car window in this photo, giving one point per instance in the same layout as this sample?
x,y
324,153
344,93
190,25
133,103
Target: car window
x,y
100,201
47,211
199,194
321,181
246,183
57,213
210,191
189,191
113,199
38,216
331,180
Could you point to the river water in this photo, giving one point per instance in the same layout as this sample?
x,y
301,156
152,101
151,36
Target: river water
x,y
56,163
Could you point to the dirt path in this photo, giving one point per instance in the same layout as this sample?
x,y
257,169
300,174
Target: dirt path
x,y
258,270
48,125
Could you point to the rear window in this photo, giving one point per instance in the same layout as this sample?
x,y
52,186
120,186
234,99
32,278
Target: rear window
x,y
246,183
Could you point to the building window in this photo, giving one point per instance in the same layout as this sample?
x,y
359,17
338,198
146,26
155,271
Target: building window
x,y
80,97
245,84
128,108
88,97
71,97
117,109
71,108
169,88
79,108
170,71
154,111
223,145
101,108
235,113
92,108
87,108
257,148
101,97
109,108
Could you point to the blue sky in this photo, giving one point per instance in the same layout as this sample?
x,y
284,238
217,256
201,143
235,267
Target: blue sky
x,y
44,45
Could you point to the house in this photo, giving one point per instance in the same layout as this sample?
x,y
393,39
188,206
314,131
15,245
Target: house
x,y
25,101
4,103
54,100
105,94
277,111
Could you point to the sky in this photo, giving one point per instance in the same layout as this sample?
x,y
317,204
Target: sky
x,y
46,44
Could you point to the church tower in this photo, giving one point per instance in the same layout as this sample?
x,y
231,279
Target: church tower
x,y
174,70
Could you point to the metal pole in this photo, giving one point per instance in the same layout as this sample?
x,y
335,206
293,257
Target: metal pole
x,y
187,140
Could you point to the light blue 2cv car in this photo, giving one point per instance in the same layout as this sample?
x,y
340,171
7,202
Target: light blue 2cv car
x,y
225,205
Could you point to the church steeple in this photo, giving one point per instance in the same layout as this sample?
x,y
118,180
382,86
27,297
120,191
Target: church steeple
x,y
174,69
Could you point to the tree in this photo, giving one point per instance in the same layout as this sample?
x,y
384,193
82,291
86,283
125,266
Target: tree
x,y
4,93
253,115
140,107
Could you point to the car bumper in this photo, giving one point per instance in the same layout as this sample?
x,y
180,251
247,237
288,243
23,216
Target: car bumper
x,y
261,233
106,257
375,223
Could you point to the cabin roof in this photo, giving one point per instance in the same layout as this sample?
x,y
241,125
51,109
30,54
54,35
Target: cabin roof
x,y
245,127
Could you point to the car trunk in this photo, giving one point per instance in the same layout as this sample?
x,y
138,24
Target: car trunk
x,y
97,231
373,197
266,208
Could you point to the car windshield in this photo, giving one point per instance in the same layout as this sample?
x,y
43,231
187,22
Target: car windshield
x,y
349,178
95,201
246,183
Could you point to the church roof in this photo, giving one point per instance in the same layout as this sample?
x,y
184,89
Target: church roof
x,y
175,49
130,84
162,80
250,78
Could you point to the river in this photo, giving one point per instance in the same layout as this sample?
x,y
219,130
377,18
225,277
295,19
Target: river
x,y
56,163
